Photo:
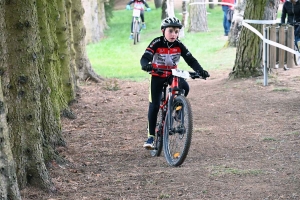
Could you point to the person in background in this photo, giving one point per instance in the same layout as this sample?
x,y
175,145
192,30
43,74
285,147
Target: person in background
x,y
138,4
291,10
164,53
225,8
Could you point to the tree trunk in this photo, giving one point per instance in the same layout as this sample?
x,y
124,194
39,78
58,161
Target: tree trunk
x,y
198,18
9,189
22,92
8,179
164,10
83,65
94,20
51,125
211,6
158,3
66,51
170,8
184,20
249,51
38,81
236,24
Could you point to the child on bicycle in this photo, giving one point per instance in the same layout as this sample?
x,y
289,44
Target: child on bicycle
x,y
138,4
164,53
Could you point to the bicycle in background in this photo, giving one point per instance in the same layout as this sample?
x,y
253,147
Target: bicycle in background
x,y
137,24
174,126
137,27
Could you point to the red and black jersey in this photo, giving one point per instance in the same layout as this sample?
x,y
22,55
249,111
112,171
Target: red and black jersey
x,y
166,55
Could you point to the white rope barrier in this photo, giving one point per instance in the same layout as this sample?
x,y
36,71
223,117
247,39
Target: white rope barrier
x,y
228,4
266,22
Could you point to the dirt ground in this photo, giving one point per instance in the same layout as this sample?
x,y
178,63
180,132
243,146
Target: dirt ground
x,y
246,143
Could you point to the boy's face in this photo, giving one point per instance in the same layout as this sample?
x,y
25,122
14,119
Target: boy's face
x,y
171,33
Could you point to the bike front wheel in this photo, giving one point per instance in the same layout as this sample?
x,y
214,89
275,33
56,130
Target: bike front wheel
x,y
178,131
135,33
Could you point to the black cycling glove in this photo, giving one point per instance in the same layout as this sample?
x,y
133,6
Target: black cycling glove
x,y
147,67
204,74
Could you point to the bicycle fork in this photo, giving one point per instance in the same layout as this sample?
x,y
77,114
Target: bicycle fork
x,y
174,90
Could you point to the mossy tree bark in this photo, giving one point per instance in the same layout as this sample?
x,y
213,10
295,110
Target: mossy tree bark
x,y
38,78
248,61
49,59
8,178
22,86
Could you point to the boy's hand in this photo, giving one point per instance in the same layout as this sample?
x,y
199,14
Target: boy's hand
x,y
147,67
204,74
128,7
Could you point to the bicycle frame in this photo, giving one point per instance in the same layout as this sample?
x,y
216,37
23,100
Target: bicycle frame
x,y
173,91
136,24
174,133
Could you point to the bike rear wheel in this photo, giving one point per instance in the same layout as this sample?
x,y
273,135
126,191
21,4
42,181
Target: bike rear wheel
x,y
178,131
158,142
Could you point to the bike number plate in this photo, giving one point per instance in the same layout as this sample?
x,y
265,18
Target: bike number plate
x,y
180,73
136,13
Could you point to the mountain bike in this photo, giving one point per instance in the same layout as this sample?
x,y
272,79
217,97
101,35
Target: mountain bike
x,y
137,27
174,126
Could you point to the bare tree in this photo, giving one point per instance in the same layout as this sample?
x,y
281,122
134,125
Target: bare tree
x,y
198,17
164,9
94,20
184,20
158,3
83,65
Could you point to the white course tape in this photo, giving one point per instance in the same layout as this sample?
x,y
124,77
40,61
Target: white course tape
x,y
251,28
228,4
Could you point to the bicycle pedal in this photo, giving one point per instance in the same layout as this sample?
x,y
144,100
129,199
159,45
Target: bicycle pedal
x,y
150,148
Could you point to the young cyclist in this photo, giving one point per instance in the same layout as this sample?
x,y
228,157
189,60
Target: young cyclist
x,y
164,53
138,4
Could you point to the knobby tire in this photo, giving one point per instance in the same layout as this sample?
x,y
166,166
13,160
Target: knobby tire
x,y
158,142
178,131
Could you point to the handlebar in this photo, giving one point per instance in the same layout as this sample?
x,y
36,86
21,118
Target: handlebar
x,y
128,7
193,75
